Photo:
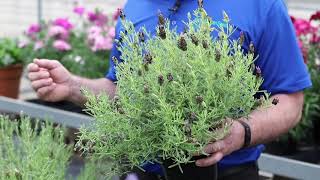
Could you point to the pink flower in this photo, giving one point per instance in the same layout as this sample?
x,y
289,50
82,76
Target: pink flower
x,y
101,19
98,18
101,43
95,30
58,32
33,29
38,45
315,16
63,22
112,32
79,10
23,44
92,16
61,45
116,14
302,26
305,29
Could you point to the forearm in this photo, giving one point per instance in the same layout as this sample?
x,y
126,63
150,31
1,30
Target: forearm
x,y
269,123
97,86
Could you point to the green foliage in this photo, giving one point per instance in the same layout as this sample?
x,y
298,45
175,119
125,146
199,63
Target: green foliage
x,y
32,150
176,92
9,53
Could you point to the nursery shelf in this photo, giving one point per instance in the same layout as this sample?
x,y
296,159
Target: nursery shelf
x,y
288,167
69,119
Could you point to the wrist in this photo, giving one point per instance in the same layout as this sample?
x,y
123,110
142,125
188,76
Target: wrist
x,y
246,136
239,135
74,89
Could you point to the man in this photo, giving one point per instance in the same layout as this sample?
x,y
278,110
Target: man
x,y
265,23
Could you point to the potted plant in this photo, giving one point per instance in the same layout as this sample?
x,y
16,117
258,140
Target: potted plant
x,y
11,65
175,93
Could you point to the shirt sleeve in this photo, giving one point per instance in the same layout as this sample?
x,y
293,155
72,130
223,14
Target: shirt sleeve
x,y
279,56
111,74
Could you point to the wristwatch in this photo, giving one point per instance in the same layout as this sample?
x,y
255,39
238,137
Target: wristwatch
x,y
247,133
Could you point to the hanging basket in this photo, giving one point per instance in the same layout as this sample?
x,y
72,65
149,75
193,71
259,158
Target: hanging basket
x,y
10,80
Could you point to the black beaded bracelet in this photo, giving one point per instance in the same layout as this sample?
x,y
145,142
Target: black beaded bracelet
x,y
247,134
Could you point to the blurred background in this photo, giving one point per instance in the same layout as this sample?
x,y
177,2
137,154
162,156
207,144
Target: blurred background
x,y
17,15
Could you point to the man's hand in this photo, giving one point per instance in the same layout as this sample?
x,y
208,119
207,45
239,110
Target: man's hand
x,y
217,150
50,79
266,124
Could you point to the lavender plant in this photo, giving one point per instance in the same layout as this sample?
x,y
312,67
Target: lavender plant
x,y
175,93
32,150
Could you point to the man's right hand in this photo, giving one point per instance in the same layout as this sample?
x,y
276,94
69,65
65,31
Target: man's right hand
x,y
50,79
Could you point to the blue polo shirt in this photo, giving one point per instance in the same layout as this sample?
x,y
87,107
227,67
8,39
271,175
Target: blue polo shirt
x,y
264,22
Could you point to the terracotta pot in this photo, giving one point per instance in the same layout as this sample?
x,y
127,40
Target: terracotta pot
x,y
10,81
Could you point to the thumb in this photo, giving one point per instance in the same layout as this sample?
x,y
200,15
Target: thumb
x,y
46,63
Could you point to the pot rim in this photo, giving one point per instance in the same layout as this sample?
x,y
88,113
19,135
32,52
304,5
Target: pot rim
x,y
12,66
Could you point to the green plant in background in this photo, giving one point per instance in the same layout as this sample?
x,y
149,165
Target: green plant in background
x,y
32,150
10,53
175,93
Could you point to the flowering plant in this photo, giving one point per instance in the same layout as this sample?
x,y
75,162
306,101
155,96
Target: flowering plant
x,y
308,36
175,93
82,46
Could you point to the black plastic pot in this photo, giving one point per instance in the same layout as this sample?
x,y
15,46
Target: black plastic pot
x,y
63,105
190,171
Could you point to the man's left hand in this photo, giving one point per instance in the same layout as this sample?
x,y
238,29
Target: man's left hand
x,y
217,150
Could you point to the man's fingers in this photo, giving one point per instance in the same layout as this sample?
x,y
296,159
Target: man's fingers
x,y
42,92
38,75
41,83
213,159
32,67
47,64
214,147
